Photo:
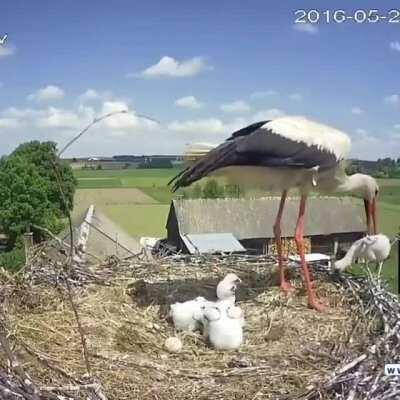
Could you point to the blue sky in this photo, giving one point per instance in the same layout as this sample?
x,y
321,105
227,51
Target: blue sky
x,y
202,69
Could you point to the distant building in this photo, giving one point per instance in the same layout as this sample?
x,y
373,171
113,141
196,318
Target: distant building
x,y
332,223
126,161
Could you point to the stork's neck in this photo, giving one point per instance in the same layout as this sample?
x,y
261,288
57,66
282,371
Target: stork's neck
x,y
358,184
349,184
350,256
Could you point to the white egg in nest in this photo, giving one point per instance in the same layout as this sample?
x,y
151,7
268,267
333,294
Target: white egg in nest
x,y
173,344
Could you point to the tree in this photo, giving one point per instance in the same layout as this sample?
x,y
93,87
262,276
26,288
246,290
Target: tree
x,y
23,198
29,191
196,193
233,191
212,190
42,156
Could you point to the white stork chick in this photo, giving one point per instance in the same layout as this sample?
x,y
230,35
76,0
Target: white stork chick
x,y
225,327
226,289
183,314
222,305
373,248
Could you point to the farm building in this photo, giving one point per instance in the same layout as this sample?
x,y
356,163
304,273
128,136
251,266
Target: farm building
x,y
332,223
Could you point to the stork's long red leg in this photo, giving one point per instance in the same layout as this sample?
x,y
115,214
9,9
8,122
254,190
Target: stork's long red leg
x,y
283,283
312,300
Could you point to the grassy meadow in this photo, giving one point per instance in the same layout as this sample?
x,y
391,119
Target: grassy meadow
x,y
138,200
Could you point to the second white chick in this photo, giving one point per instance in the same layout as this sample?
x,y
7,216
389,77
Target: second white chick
x,y
226,289
225,327
199,316
183,314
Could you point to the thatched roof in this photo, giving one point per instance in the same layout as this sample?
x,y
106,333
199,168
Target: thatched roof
x,y
254,218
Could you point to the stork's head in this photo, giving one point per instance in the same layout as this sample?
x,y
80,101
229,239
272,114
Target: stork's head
x,y
366,187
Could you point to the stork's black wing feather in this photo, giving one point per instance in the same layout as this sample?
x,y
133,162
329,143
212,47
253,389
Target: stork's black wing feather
x,y
216,158
256,146
247,130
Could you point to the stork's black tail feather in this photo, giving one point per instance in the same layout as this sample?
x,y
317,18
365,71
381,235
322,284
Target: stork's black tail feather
x,y
213,160
177,176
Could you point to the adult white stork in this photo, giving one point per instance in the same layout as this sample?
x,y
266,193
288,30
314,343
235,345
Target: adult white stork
x,y
288,152
374,248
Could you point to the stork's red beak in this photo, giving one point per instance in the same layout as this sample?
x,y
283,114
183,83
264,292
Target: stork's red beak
x,y
370,212
374,215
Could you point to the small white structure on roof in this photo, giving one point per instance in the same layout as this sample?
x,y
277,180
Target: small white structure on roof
x,y
212,243
312,258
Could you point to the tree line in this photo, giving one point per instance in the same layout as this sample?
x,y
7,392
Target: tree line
x,y
212,189
381,168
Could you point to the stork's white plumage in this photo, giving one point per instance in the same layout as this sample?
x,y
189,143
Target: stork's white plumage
x,y
374,248
183,314
225,327
285,153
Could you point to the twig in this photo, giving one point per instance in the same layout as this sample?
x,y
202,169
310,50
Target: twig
x,y
95,121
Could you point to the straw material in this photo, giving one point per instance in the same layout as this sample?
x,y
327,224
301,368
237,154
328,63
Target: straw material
x,y
289,352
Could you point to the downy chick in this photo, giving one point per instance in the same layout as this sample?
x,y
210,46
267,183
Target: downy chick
x,y
183,314
225,327
226,289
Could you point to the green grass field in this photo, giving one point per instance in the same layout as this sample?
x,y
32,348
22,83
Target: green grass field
x,y
140,220
153,182
126,177
149,219
135,218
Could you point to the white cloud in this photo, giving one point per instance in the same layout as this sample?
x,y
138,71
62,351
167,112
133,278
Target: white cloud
x,y
169,67
92,94
8,50
397,126
188,102
357,110
119,121
8,123
211,128
271,113
296,97
128,121
238,106
263,94
47,93
305,27
393,99
201,126
104,138
361,131
369,146
395,46
60,118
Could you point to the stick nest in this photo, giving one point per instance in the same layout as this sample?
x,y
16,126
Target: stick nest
x,y
290,351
